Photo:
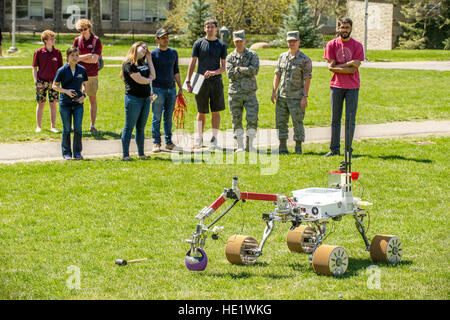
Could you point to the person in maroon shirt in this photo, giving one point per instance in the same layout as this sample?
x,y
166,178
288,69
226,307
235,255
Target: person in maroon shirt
x,y
46,61
90,51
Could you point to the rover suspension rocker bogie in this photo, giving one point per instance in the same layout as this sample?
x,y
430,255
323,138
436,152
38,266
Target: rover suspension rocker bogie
x,y
309,211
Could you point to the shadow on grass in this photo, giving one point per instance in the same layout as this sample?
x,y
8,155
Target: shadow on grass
x,y
103,135
382,157
356,265
248,274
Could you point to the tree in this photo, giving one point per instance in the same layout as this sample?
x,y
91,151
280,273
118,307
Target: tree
x,y
427,24
250,15
300,18
319,8
195,16
97,17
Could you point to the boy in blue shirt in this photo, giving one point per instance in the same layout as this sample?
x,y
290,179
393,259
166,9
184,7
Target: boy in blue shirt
x,y
165,61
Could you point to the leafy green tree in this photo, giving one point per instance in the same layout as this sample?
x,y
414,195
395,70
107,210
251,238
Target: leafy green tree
x,y
251,15
427,23
300,18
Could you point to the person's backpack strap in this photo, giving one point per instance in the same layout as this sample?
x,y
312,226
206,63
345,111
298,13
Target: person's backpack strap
x,y
78,41
94,43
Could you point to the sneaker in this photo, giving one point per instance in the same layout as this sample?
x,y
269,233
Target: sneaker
x,y
172,147
213,144
54,130
38,130
126,158
144,157
198,143
78,157
331,154
156,147
93,129
67,158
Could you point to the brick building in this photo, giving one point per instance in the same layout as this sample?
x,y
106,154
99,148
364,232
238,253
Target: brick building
x,y
121,16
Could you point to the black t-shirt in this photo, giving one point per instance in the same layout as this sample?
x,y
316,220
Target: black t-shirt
x,y
132,87
209,54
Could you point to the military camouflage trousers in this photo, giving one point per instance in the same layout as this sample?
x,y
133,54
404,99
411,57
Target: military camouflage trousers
x,y
285,107
237,102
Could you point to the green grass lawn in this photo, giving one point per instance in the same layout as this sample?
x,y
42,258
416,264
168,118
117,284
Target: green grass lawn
x,y
385,96
114,46
86,214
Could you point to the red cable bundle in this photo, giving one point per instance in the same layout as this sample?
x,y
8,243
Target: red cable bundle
x,y
180,111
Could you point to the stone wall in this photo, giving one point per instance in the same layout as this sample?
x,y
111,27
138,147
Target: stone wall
x,y
380,35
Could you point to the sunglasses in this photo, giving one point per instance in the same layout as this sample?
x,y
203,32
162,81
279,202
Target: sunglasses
x,y
83,29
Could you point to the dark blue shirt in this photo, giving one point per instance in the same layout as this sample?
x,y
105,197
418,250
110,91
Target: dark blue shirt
x,y
71,81
209,54
166,67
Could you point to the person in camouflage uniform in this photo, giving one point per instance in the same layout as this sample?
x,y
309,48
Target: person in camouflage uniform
x,y
242,65
290,91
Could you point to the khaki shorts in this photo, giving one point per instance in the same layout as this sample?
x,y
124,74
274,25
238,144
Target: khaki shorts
x,y
92,86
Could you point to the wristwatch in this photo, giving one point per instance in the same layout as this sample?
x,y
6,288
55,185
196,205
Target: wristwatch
x,y
188,82
305,95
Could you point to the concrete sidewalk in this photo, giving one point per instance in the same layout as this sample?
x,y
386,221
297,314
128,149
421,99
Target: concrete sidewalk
x,y
47,151
409,65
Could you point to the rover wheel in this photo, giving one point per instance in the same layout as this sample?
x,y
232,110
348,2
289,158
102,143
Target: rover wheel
x,y
386,248
330,260
196,262
241,249
301,239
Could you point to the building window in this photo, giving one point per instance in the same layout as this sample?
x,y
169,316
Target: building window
x,y
21,9
137,10
143,10
48,9
8,13
124,9
36,8
26,9
106,9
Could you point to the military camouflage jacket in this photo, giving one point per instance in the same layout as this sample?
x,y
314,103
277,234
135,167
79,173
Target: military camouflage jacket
x,y
293,71
241,70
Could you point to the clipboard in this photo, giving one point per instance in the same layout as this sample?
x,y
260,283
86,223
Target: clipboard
x,y
196,82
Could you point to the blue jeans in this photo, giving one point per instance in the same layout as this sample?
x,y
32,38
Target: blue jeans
x,y
164,103
338,96
136,114
69,111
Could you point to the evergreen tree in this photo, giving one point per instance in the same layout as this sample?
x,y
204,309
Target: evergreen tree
x,y
427,24
195,16
300,17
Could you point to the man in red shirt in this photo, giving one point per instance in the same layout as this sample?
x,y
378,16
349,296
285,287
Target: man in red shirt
x,y
46,61
344,55
90,51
